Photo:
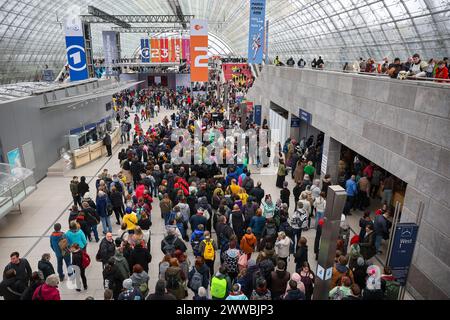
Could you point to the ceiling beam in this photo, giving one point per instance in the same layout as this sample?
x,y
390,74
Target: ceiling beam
x,y
107,17
140,19
148,29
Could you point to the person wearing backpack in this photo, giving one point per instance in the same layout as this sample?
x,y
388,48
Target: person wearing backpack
x,y
198,276
175,278
389,285
220,285
49,290
140,279
207,249
231,259
224,232
171,243
248,243
59,245
298,222
79,259
342,291
340,270
196,238
130,293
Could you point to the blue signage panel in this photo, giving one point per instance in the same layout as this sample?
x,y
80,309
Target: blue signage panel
x,y
76,58
295,122
256,31
145,50
305,116
258,113
404,241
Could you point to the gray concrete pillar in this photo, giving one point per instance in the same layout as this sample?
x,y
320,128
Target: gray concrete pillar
x,y
330,158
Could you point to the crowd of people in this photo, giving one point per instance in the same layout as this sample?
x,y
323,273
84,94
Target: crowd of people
x,y
216,210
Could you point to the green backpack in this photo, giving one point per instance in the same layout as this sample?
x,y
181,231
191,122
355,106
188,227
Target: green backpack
x,y
218,288
392,290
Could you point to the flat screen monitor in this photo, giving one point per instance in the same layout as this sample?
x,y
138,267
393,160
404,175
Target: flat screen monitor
x,y
81,140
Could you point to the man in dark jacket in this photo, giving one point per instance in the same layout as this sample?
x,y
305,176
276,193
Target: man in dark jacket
x,y
107,142
224,232
140,256
248,184
285,193
381,228
279,280
258,192
45,266
197,220
22,268
116,198
106,250
367,245
11,288
171,243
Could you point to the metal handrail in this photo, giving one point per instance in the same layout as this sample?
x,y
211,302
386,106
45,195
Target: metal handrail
x,y
437,80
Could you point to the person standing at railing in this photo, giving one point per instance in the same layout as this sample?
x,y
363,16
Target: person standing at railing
x,y
441,71
394,68
418,67
314,63
320,64
301,63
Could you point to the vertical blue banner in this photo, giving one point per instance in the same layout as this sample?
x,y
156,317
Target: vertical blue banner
x,y
256,31
257,116
76,53
145,50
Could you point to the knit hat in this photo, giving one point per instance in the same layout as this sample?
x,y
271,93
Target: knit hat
x,y
128,210
127,284
355,239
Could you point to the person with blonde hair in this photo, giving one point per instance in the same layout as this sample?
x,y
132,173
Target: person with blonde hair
x,y
282,245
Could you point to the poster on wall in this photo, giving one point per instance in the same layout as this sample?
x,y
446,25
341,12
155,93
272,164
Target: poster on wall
x,y
14,159
199,50
256,31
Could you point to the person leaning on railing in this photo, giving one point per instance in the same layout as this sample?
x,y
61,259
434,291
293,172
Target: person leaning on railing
x,y
441,72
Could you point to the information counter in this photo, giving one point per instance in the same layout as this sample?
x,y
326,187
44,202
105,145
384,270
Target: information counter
x,y
95,150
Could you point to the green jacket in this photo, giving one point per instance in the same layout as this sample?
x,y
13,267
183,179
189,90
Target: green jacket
x,y
74,188
282,170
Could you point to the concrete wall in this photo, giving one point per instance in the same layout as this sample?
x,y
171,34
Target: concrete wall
x,y
23,120
402,126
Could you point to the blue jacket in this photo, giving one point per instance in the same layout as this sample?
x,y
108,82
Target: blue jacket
x,y
257,224
350,188
54,239
231,176
76,237
197,232
102,204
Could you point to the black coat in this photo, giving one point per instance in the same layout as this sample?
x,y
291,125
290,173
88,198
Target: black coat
x,y
83,187
238,222
367,246
106,250
46,267
140,256
23,271
178,243
301,255
116,199
285,194
258,193
11,289
317,239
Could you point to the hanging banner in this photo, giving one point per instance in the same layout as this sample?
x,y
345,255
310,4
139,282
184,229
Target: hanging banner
x,y
178,49
186,51
76,54
109,50
164,49
155,52
256,31
145,50
199,50
266,42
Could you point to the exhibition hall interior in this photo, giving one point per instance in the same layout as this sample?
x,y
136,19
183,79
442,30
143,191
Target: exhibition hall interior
x,y
225,150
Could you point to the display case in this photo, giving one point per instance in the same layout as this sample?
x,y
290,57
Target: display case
x,y
15,185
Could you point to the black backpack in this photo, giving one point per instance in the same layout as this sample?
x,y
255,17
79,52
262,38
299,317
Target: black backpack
x,y
169,247
172,282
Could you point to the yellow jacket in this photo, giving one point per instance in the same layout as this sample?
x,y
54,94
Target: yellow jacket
x,y
131,220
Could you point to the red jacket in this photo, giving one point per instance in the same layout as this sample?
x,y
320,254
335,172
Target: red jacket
x,y
441,73
47,293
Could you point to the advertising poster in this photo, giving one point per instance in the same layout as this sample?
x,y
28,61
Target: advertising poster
x,y
76,54
199,50
145,50
186,51
155,50
109,50
256,31
14,159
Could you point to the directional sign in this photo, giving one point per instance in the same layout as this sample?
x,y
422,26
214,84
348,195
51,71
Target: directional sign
x,y
329,273
320,272
305,116
402,250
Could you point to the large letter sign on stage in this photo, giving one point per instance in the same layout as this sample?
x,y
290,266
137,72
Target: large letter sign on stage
x,y
199,50
76,54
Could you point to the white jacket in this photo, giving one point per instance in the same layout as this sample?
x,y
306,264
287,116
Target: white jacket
x,y
282,247
320,204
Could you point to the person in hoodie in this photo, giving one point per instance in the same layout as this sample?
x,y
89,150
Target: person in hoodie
x,y
49,290
130,293
294,293
340,269
45,266
139,277
279,280
196,239
102,202
236,293
60,254
248,243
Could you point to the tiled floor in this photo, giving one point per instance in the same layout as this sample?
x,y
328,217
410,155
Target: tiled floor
x,y
29,231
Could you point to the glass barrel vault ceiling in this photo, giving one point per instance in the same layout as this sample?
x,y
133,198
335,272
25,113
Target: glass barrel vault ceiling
x,y
31,33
